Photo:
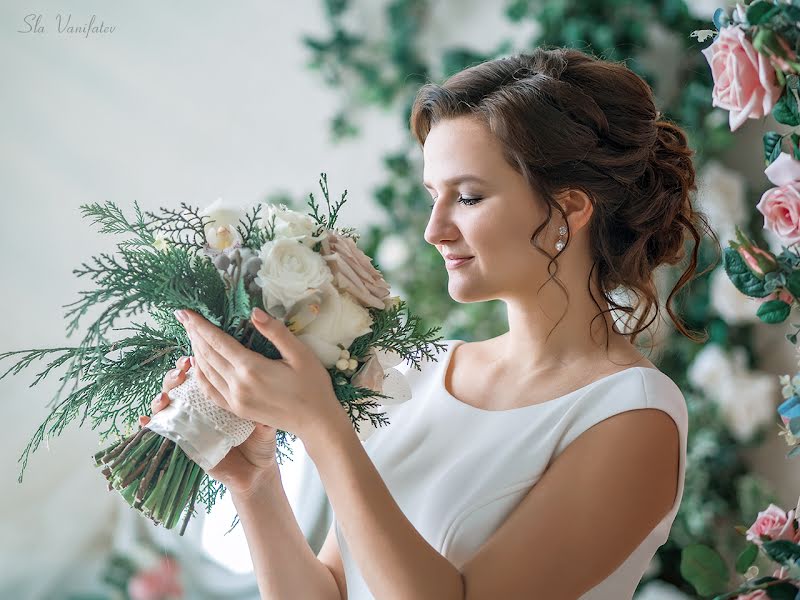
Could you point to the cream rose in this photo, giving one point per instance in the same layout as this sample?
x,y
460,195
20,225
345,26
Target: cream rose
x,y
290,272
340,320
744,80
220,230
290,224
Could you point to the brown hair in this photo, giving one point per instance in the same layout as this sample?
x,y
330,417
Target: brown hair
x,y
566,119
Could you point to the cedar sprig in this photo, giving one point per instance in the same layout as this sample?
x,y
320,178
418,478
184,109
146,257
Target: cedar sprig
x,y
252,235
403,335
333,213
112,220
182,228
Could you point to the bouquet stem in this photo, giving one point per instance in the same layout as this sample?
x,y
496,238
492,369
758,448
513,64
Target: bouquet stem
x,y
154,475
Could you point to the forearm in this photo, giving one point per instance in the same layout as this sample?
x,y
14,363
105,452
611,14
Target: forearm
x,y
394,559
285,565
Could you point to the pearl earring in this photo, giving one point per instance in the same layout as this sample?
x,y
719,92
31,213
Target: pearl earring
x,y
562,231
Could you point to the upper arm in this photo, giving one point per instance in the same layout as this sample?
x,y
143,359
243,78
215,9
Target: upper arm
x,y
330,556
590,509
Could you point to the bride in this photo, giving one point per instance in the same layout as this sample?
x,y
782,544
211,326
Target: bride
x,y
547,462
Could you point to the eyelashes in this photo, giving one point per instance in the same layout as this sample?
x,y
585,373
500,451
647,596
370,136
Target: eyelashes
x,y
466,201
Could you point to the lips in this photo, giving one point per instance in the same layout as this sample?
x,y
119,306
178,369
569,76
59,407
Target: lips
x,y
451,264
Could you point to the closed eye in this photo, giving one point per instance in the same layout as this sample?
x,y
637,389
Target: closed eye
x,y
466,201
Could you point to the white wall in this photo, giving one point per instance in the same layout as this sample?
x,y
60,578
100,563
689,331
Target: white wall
x,y
184,101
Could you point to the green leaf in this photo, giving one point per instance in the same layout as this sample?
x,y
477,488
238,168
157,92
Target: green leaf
x,y
795,146
785,110
782,591
741,276
704,568
746,558
793,283
757,11
237,306
772,146
782,551
773,311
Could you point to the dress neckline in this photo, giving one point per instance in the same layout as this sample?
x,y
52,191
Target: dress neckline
x,y
452,398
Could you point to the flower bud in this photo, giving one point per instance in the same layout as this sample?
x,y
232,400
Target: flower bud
x,y
759,261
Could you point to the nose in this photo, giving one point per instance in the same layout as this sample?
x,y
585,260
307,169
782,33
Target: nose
x,y
441,227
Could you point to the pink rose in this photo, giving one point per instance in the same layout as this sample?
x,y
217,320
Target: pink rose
x,y
161,582
781,209
784,169
744,80
756,595
775,523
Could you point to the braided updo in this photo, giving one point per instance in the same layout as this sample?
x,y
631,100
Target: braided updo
x,y
566,119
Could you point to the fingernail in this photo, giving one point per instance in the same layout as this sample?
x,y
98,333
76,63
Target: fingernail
x,y
191,360
180,315
260,316
183,361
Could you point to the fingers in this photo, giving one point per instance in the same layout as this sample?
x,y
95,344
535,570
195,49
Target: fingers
x,y
207,386
214,355
160,402
176,376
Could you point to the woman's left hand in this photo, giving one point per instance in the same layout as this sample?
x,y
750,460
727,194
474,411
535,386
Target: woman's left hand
x,y
293,393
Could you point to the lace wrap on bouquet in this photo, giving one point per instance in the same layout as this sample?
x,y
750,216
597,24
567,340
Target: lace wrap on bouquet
x,y
203,430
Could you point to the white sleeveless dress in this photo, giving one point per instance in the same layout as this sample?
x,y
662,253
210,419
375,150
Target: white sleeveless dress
x,y
457,471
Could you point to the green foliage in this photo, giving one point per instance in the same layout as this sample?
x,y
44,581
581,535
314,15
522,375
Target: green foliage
x,y
773,311
114,383
741,276
705,568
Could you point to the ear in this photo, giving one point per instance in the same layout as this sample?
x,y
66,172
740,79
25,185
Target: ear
x,y
578,207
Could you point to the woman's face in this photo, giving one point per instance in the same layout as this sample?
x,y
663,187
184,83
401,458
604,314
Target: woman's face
x,y
495,230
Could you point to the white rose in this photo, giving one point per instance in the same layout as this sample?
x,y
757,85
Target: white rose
x,y
290,223
710,368
393,252
220,230
721,196
340,321
747,403
731,304
289,273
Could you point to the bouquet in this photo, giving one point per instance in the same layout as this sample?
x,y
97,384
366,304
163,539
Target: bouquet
x,y
220,262
755,67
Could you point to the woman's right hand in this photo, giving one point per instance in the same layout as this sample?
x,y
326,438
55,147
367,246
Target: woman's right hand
x,y
246,466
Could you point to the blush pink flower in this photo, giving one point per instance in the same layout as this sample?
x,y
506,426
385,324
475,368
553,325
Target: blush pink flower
x,y
775,523
161,582
781,209
756,595
744,80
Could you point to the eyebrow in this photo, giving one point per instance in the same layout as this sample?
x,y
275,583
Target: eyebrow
x,y
458,179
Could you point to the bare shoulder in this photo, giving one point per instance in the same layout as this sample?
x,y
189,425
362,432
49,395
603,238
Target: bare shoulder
x,y
596,503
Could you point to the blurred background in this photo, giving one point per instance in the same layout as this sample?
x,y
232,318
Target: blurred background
x,y
163,103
